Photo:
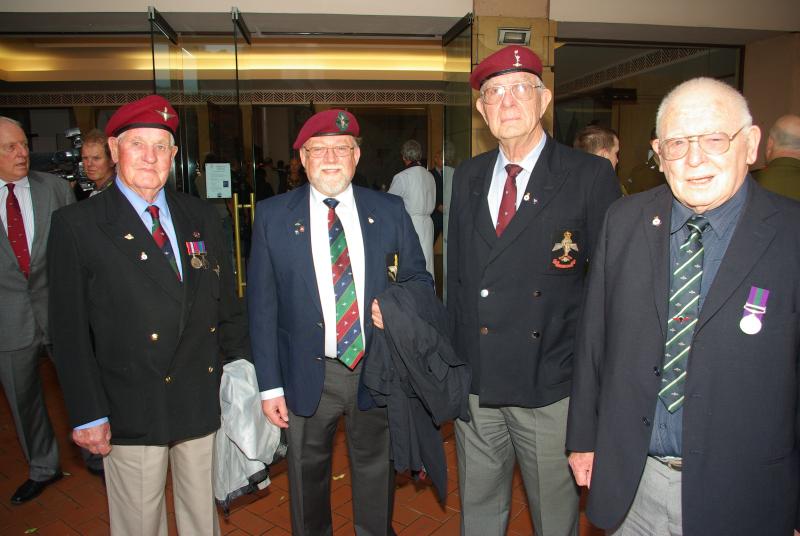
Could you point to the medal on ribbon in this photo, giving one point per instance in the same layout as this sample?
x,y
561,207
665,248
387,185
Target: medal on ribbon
x,y
197,250
754,310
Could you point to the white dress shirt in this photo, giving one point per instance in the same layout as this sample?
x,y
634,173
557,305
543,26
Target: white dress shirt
x,y
321,255
22,191
499,176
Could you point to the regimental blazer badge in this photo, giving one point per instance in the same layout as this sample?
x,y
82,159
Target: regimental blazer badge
x,y
565,246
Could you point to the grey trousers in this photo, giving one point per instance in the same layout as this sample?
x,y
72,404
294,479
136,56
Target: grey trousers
x,y
488,447
656,508
20,377
310,445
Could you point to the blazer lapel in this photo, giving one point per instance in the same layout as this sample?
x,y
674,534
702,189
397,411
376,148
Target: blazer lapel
x,y
41,197
128,234
750,240
299,240
479,184
655,222
374,261
187,229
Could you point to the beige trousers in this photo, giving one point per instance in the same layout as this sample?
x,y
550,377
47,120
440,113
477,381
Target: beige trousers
x,y
135,480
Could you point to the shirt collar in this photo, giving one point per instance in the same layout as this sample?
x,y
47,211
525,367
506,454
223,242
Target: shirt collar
x,y
720,218
530,159
139,204
23,182
345,199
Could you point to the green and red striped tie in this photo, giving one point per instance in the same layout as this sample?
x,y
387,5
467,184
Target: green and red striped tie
x,y
349,339
162,240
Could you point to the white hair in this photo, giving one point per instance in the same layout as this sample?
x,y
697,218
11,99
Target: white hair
x,y
705,85
12,121
411,151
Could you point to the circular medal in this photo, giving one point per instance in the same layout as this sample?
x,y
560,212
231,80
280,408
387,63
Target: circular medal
x,y
196,263
750,324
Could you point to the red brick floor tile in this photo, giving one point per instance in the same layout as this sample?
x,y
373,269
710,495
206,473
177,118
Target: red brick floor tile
x,y
249,522
451,527
426,503
94,527
269,499
340,496
347,529
338,521
281,516
520,520
57,528
421,527
404,515
278,531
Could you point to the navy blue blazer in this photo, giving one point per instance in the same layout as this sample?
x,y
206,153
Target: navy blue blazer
x,y
288,333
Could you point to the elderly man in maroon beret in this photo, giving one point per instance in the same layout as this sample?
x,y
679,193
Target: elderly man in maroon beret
x,y
320,254
143,309
523,221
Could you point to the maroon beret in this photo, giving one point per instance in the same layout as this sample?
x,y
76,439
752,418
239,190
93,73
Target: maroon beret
x,y
506,60
152,111
328,123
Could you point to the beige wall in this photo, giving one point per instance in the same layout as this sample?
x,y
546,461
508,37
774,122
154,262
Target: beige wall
x,y
484,43
772,81
762,15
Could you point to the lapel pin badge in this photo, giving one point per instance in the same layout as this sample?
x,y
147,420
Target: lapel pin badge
x,y
656,221
299,228
754,310
128,236
195,234
143,256
370,219
527,196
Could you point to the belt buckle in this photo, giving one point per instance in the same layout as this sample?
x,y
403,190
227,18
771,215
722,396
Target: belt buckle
x,y
675,465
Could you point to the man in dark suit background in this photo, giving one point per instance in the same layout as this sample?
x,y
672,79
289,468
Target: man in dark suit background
x,y
27,199
320,254
523,221
142,308
684,416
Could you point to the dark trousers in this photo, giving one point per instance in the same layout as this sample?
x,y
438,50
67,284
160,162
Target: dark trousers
x,y
309,458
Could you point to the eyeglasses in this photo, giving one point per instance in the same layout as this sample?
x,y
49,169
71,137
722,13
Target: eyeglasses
x,y
319,151
715,143
522,91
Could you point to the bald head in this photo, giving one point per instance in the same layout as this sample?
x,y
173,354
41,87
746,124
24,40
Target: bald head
x,y
784,138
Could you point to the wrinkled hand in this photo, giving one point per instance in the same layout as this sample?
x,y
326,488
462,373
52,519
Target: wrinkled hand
x,y
377,318
96,439
581,465
275,411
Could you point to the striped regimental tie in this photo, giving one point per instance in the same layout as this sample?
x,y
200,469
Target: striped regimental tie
x,y
162,241
508,203
349,339
684,297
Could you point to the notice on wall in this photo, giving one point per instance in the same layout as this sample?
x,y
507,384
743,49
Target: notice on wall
x,y
218,181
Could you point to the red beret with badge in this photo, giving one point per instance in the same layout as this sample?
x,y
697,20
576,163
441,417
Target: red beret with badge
x,y
510,59
328,123
153,111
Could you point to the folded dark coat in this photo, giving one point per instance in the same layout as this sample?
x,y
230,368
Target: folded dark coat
x,y
413,370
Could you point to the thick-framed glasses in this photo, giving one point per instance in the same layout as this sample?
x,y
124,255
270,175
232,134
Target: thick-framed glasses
x,y
522,91
319,151
714,143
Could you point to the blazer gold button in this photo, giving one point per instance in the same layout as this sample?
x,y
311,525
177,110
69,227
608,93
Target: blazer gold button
x,y
210,370
154,336
212,329
484,330
168,379
484,293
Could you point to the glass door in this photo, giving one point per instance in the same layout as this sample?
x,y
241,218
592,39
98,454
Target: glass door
x,y
457,120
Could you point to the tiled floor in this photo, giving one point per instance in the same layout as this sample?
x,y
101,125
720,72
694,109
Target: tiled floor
x,y
77,503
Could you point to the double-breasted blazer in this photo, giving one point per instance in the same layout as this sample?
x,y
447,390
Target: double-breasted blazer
x,y
513,304
130,340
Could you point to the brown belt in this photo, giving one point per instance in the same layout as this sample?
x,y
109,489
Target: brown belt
x,y
676,464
